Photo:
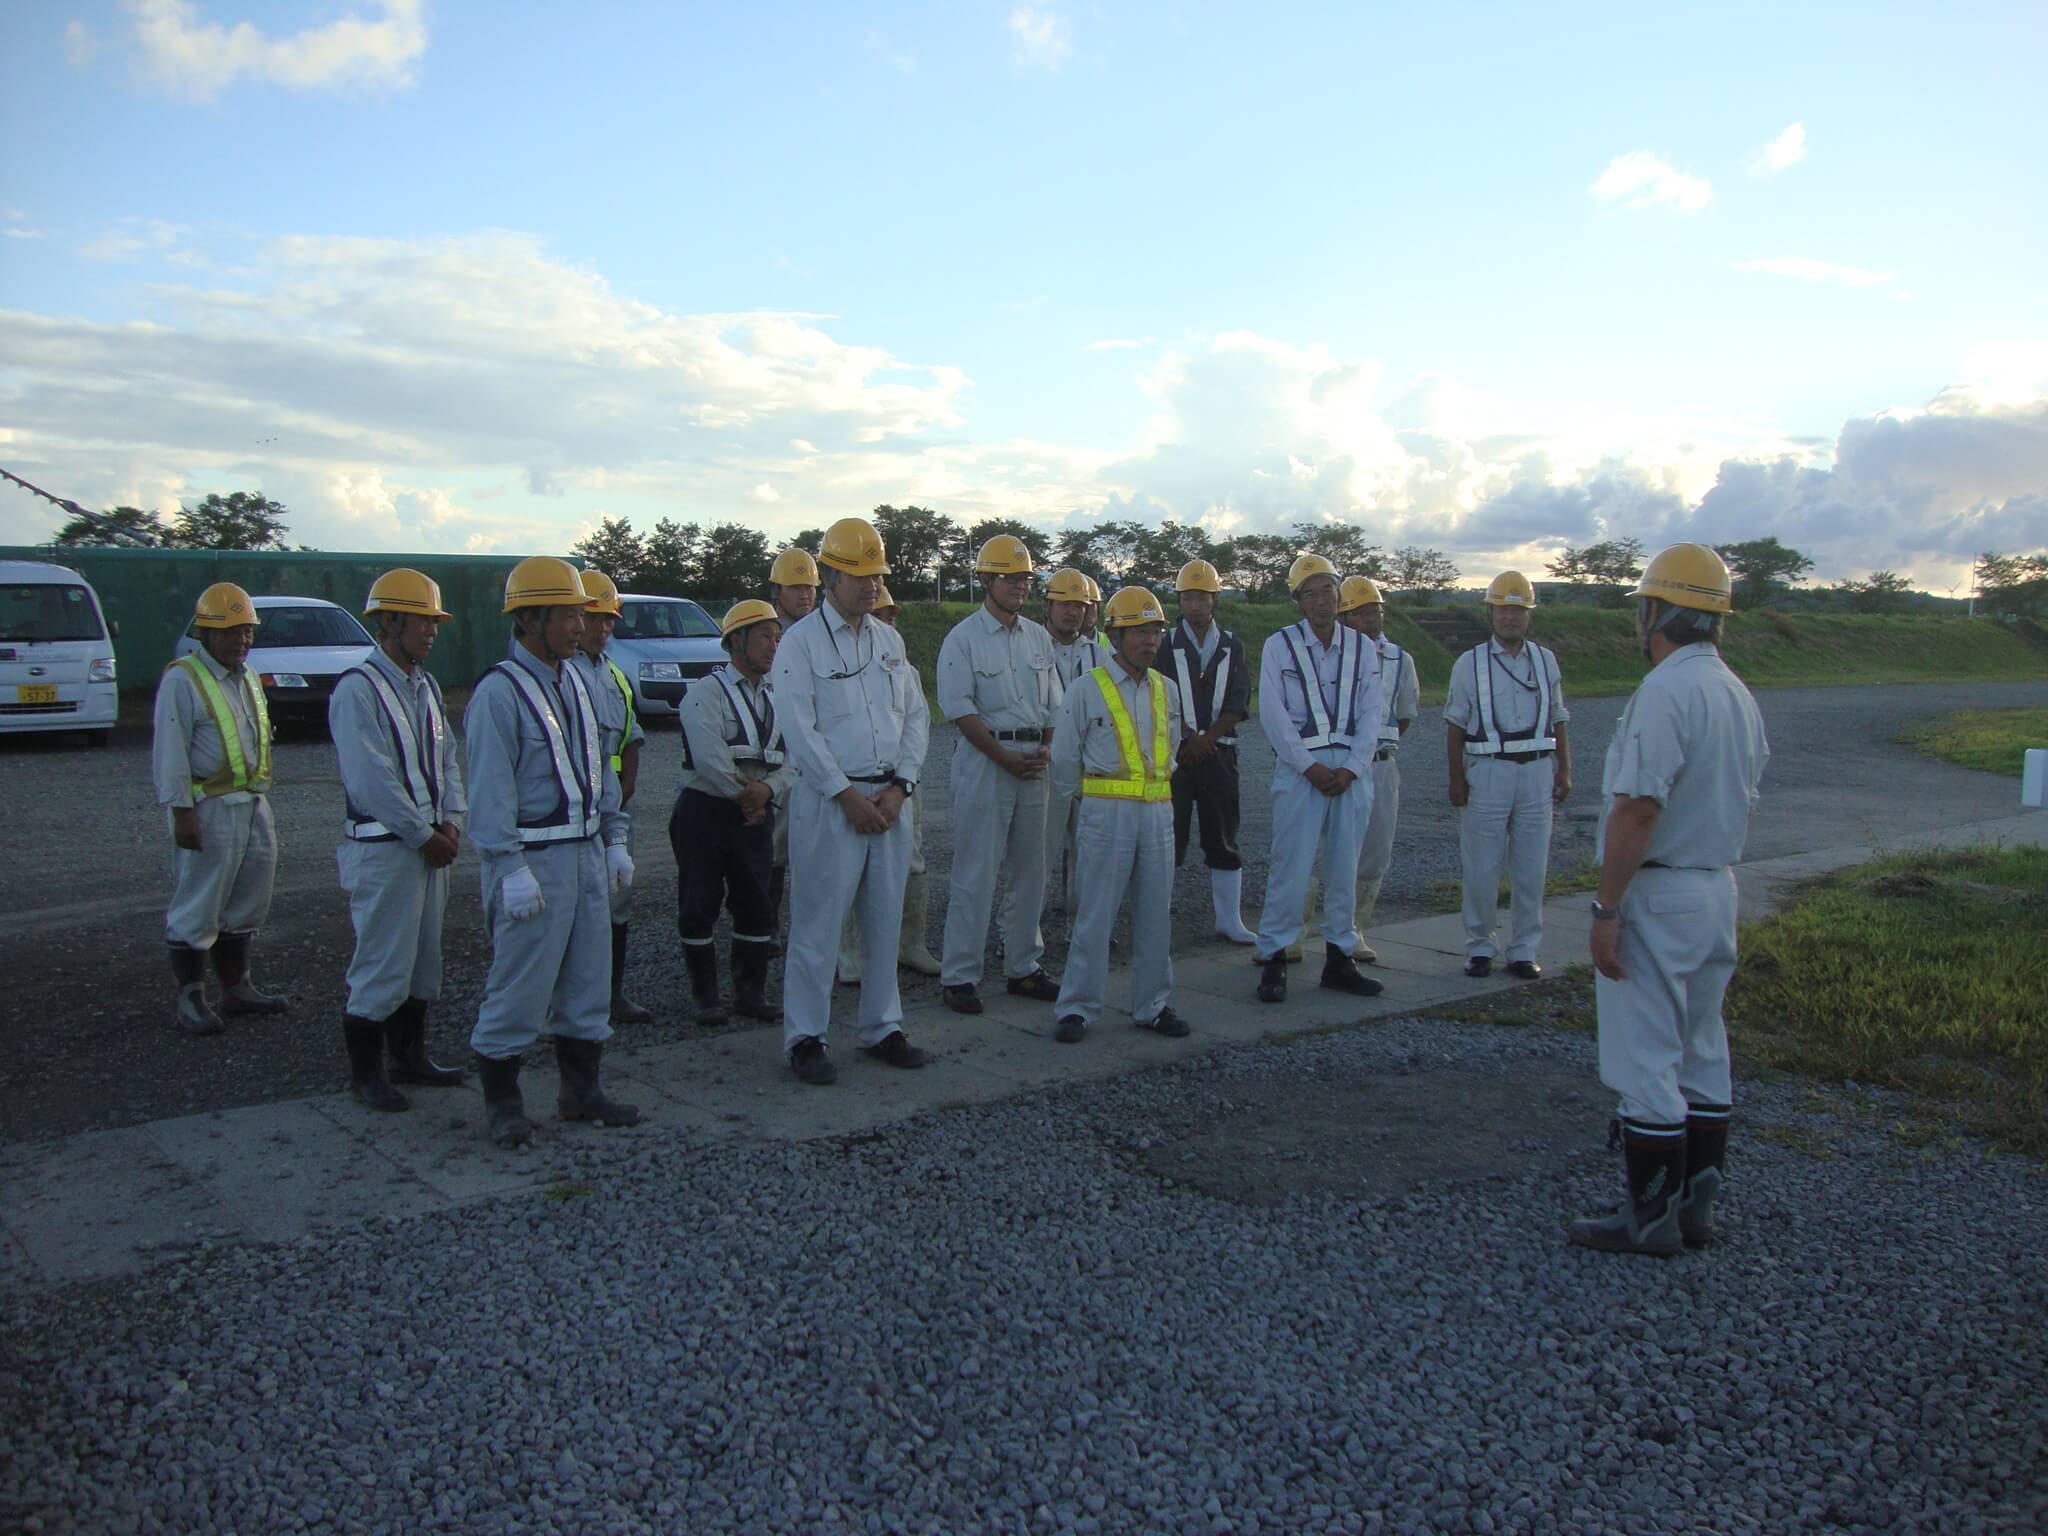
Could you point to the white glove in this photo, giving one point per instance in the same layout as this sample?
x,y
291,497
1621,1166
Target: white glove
x,y
521,894
619,864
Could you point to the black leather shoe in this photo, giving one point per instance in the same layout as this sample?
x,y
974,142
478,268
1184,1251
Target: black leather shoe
x,y
1479,965
1166,1022
963,998
1038,986
807,1059
1526,970
1341,974
1273,979
1070,1030
895,1050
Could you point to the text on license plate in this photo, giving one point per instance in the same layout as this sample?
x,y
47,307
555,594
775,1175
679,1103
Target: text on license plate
x,y
35,693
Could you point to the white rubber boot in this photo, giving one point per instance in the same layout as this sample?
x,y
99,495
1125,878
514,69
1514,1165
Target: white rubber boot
x,y
1226,889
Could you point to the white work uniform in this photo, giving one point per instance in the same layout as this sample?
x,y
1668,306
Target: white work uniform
x,y
1507,815
224,886
1399,692
1120,840
1691,739
1317,704
612,719
1005,674
1076,659
843,696
399,780
542,795
849,931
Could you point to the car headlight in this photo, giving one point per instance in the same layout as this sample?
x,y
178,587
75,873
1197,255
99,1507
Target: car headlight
x,y
101,671
660,672
283,680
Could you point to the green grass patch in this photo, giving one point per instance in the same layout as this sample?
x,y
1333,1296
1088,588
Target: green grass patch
x,y
1925,972
1994,740
1449,895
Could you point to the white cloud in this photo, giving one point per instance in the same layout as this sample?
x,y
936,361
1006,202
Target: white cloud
x,y
1640,179
1783,152
133,239
1114,344
199,59
1040,37
1809,271
878,45
81,44
14,225
764,492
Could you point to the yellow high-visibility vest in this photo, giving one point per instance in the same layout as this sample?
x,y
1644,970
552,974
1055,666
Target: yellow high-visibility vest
x,y
234,773
1141,781
625,736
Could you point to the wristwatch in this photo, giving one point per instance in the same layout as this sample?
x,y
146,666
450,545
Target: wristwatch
x,y
1602,913
909,789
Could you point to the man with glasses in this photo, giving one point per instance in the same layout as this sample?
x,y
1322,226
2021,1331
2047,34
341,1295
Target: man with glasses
x,y
997,682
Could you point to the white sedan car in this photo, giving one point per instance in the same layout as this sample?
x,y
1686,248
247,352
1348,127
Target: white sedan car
x,y
303,646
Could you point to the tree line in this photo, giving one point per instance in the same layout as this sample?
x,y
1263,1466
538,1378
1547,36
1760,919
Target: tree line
x,y
238,520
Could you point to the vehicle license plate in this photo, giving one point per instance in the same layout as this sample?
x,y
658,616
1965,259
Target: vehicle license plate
x,y
35,693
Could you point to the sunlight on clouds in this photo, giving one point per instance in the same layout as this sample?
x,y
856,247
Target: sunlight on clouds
x,y
1040,37
199,59
1783,152
1807,270
1640,179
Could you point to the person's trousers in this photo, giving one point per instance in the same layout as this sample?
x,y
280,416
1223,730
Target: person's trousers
x,y
1123,844
1376,854
720,862
1206,795
1506,822
1663,1041
844,871
396,901
998,826
224,885
1308,824
1062,819
553,968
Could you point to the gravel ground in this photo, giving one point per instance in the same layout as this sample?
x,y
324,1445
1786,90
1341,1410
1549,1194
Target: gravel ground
x,y
82,945
1032,1317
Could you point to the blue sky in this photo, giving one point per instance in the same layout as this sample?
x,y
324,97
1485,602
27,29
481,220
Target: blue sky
x,y
454,275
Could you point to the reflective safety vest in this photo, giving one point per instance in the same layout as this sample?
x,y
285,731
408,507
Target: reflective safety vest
x,y
1390,680
579,776
422,765
1321,729
233,773
755,738
1537,738
1149,782
625,692
1184,680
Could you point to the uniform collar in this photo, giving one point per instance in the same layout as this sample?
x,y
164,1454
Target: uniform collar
x,y
835,620
540,669
992,625
392,670
733,675
1696,651
206,660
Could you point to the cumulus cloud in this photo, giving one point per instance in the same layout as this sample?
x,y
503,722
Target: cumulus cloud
x,y
14,225
1040,37
199,59
1807,270
1640,179
1783,152
133,239
881,48
81,44
764,492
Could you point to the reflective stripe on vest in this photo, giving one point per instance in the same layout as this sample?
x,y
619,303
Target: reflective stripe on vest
x,y
581,790
1149,783
1390,656
1490,742
1184,680
747,745
233,774
423,775
1320,732
626,692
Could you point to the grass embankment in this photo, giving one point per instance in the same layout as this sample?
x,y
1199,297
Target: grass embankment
x,y
1994,740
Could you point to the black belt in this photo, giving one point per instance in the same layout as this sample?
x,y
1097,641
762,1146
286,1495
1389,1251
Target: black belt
x,y
871,778
1383,754
1019,735
1522,757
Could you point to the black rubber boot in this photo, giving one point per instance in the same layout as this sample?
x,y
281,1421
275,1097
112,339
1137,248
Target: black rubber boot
x,y
624,1009
1706,1154
405,1037
702,959
195,1015
750,981
505,1112
581,1096
366,1077
1273,978
1341,974
238,994
1647,1220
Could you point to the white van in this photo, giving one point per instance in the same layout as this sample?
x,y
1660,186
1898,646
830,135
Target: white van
x,y
56,653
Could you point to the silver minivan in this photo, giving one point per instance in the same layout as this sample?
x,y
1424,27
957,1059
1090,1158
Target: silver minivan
x,y
56,653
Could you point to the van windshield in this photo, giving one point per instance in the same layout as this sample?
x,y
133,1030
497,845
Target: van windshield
x,y
49,612
677,619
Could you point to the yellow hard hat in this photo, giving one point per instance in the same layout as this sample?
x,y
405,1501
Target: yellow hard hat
x,y
1067,586
1132,606
1690,575
1094,589
406,591
1005,555
743,613
1198,576
543,581
1511,589
1356,592
1306,566
883,601
852,545
223,606
794,568
602,593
